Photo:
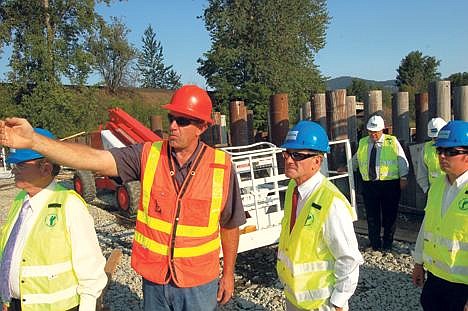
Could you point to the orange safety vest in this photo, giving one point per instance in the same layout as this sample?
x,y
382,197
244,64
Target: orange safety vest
x,y
177,230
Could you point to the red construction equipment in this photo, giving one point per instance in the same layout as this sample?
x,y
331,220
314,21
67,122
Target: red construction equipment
x,y
121,130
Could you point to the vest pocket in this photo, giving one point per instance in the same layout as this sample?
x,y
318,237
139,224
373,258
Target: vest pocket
x,y
196,213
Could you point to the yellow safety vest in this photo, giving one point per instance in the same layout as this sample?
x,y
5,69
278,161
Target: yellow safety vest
x,y
445,250
388,160
47,279
305,264
431,160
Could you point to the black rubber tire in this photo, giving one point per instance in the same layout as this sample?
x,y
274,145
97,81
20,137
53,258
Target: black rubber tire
x,y
88,185
132,190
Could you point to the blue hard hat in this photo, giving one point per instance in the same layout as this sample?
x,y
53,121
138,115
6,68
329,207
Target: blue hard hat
x,y
454,134
21,155
307,135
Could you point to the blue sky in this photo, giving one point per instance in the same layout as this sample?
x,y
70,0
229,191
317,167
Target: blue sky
x,y
370,38
365,38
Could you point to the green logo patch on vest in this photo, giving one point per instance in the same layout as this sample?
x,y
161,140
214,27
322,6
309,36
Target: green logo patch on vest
x,y
463,204
51,220
309,220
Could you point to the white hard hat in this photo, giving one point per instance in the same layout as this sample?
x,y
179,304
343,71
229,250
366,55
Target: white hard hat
x,y
375,123
434,126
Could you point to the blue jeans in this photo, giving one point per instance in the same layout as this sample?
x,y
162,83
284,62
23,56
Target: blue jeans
x,y
169,297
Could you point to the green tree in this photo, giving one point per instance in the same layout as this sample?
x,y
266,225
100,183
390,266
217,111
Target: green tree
x,y
458,79
150,62
172,79
49,43
48,40
416,71
260,48
113,53
61,110
359,88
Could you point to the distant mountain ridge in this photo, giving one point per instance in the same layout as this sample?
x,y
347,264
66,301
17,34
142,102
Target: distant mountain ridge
x,y
345,81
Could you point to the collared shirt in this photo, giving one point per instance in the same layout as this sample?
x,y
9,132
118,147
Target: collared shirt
x,y
87,259
403,165
451,191
338,232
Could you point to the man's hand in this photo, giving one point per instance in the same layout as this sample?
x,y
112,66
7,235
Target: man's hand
x,y
16,133
403,183
229,243
342,169
226,288
418,275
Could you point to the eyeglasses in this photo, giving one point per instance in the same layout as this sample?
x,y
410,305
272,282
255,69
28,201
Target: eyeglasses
x,y
451,152
298,156
181,121
25,164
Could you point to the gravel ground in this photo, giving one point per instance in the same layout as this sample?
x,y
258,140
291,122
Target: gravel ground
x,y
384,282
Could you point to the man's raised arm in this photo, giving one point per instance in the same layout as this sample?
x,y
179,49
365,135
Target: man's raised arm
x,y
18,133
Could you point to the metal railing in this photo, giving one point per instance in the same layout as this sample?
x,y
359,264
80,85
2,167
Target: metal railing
x,y
5,171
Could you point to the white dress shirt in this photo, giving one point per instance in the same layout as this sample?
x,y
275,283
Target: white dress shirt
x,y
403,165
338,232
451,191
421,171
87,259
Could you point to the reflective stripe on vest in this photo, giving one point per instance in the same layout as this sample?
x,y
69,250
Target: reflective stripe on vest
x,y
388,160
452,270
310,295
445,246
147,181
46,279
431,160
298,269
450,245
178,251
36,271
52,299
308,275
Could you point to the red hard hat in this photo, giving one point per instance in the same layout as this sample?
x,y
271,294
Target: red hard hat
x,y
192,101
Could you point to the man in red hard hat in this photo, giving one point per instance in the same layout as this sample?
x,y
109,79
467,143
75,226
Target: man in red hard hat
x,y
190,203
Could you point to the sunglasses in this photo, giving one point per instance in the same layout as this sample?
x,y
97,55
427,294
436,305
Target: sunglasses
x,y
298,156
25,164
451,152
181,121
